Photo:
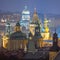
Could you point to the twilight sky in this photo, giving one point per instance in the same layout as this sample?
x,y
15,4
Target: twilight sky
x,y
43,6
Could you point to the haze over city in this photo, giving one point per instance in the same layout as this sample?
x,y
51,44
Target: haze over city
x,y
42,6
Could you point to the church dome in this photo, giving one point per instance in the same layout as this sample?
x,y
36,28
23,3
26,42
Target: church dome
x,y
25,11
18,36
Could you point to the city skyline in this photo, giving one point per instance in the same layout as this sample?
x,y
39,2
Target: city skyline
x,y
30,29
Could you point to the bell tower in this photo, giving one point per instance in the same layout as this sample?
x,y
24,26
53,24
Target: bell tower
x,y
55,39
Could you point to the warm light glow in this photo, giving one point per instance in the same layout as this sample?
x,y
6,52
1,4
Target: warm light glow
x,y
45,36
5,41
46,29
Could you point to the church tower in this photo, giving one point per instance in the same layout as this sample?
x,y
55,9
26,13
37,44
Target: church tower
x,y
46,28
55,39
35,18
37,30
25,20
46,33
55,48
37,37
34,22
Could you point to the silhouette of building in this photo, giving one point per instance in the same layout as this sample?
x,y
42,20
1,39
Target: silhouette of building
x,y
54,49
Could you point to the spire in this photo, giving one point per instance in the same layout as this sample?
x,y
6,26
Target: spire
x,y
35,16
44,15
55,30
35,11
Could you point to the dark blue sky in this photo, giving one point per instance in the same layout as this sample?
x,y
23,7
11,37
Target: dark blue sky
x,y
43,6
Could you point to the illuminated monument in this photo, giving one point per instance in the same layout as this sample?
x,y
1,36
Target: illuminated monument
x,y
46,33
25,18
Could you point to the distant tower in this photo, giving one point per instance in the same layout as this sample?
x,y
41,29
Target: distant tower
x,y
17,27
25,18
35,18
55,39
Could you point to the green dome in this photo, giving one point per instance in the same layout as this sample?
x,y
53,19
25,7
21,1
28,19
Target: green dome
x,y
18,36
17,24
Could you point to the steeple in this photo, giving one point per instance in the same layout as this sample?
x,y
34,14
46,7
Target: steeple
x,y
35,17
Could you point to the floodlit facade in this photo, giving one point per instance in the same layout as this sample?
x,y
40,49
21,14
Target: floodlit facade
x,y
25,20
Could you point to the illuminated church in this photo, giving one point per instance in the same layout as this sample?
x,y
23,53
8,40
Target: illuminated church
x,y
46,33
29,25
18,39
25,19
26,32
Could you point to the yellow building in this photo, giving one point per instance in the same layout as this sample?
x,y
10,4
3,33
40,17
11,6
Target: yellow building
x,y
46,33
16,40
